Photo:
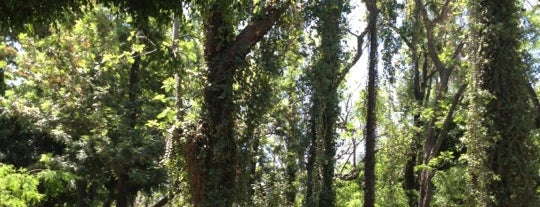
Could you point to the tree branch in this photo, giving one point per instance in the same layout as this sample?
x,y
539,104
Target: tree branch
x,y
254,31
403,37
162,202
428,24
359,51
248,37
447,121
444,12
455,55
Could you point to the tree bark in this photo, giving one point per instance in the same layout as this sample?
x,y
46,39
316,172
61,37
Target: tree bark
x,y
371,124
122,191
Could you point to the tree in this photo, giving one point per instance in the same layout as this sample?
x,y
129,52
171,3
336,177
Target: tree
x,y
371,124
95,72
324,79
18,187
211,159
501,159
241,106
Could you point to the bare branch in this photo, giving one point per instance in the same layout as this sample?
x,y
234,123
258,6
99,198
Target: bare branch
x,y
359,51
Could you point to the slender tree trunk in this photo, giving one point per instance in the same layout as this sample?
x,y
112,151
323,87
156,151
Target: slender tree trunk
x,y
80,188
292,158
122,191
310,165
410,179
252,164
411,183
2,82
291,170
178,74
369,165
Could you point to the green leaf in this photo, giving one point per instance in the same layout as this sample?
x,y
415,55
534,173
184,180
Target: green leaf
x,y
164,113
3,63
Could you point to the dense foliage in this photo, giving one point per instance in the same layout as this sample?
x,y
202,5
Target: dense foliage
x,y
269,103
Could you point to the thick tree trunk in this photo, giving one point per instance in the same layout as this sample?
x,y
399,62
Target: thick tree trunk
x,y
324,80
326,92
211,158
508,151
369,160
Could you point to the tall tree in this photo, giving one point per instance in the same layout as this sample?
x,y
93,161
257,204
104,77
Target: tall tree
x,y
211,159
501,158
433,68
324,80
371,124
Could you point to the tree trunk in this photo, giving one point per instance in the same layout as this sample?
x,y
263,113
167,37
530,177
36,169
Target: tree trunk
x,y
211,158
326,92
122,191
324,81
3,86
252,164
507,115
369,160
294,155
80,186
410,183
310,165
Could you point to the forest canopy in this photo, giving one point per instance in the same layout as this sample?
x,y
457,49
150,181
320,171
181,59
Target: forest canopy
x,y
269,103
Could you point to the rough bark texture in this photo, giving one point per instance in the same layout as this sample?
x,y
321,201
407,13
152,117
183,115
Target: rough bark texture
x,y
122,191
369,160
